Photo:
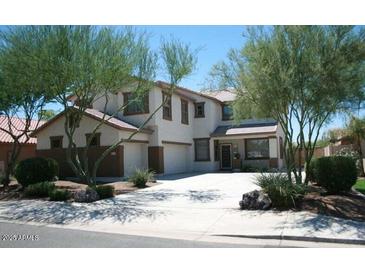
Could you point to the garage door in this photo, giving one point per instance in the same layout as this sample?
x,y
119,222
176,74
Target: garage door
x,y
175,158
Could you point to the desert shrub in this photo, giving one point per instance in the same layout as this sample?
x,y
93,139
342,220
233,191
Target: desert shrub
x,y
335,173
59,195
141,177
310,170
35,170
39,190
349,152
283,193
249,168
105,192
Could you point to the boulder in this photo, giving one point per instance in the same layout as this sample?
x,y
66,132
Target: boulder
x,y
255,200
86,196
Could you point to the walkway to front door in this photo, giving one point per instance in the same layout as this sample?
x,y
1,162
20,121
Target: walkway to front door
x,y
226,156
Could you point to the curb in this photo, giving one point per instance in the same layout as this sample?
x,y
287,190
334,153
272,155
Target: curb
x,y
296,238
357,193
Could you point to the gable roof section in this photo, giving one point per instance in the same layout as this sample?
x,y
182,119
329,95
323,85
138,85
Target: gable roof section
x,y
165,85
221,95
98,115
17,125
249,127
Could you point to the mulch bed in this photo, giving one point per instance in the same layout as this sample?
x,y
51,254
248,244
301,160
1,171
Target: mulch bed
x,y
348,205
14,191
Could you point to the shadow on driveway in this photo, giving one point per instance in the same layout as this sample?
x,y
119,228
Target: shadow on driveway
x,y
123,208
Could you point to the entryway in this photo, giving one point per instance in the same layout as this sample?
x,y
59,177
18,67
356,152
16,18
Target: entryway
x,y
226,156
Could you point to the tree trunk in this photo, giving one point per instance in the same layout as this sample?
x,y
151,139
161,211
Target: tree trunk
x,y
15,151
361,157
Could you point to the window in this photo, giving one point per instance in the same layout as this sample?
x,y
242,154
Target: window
x,y
135,105
199,110
184,112
216,150
201,147
281,147
257,148
95,141
167,111
227,112
56,141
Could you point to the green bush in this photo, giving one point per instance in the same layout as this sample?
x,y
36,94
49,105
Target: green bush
x,y
283,193
249,168
141,177
335,173
105,192
34,170
310,170
39,190
59,195
349,152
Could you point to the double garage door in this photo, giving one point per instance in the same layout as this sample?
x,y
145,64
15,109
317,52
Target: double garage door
x,y
176,158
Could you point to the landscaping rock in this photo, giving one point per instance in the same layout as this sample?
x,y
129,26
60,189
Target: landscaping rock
x,y
255,200
86,196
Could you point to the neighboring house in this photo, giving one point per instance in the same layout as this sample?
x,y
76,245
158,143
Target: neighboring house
x,y
193,132
6,141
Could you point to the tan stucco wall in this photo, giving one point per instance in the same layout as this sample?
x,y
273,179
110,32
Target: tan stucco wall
x,y
109,135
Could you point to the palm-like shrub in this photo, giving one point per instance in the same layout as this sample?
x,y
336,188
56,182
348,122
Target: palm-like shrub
x,y
283,193
141,177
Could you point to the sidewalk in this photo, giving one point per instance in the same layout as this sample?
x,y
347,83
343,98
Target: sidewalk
x,y
208,224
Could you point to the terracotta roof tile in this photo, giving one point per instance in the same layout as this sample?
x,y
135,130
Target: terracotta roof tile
x,y
17,126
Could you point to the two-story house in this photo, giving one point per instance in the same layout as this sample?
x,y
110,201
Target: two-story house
x,y
194,131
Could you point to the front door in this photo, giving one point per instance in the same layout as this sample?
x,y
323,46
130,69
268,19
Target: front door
x,y
226,158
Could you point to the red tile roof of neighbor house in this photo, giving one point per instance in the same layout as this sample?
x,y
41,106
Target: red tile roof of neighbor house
x,y
17,126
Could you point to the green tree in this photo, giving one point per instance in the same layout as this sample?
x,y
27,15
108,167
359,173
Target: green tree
x,y
21,90
356,130
90,64
299,75
47,114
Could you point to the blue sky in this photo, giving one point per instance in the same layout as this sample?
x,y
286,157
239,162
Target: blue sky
x,y
213,41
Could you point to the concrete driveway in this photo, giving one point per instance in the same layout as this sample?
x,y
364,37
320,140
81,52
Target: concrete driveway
x,y
200,191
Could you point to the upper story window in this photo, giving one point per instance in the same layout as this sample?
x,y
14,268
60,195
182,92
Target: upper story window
x,y
199,110
95,141
167,107
184,112
135,105
56,141
257,148
227,112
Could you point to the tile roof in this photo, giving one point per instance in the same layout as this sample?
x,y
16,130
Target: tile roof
x,y
112,121
17,126
97,115
248,127
221,95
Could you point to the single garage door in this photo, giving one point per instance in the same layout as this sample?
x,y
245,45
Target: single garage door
x,y
176,158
